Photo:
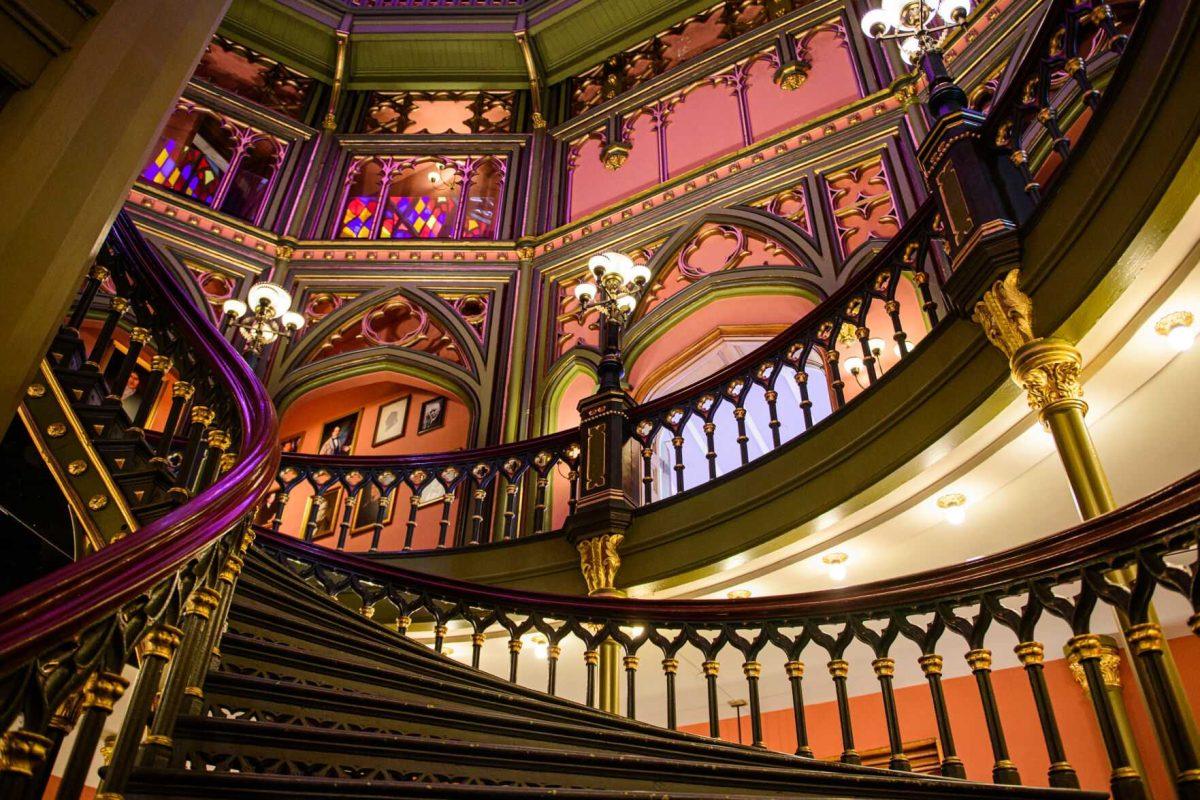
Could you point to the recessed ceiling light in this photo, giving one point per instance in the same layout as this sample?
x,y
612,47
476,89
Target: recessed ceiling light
x,y
953,507
738,594
835,564
1178,329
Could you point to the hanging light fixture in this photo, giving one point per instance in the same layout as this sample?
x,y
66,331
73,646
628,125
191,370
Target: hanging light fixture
x,y
267,317
835,565
918,25
619,283
1178,328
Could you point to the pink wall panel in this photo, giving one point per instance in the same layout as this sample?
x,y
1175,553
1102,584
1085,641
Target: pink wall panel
x,y
593,186
831,84
702,126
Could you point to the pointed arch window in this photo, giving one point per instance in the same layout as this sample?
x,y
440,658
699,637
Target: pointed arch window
x,y
398,197
220,162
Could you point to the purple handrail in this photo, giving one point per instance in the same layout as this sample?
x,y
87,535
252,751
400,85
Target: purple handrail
x,y
55,607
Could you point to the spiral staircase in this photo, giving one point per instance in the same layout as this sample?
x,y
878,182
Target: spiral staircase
x,y
270,667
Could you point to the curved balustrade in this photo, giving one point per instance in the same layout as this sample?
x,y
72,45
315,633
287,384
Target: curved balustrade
x,y
66,638
769,397
1119,562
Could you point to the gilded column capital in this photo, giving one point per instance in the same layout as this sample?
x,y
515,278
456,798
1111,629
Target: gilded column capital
x,y
202,603
631,662
67,713
752,669
670,666
931,664
884,667
21,751
1030,653
794,669
160,642
979,659
1145,638
1090,646
711,668
599,562
838,668
1047,369
103,690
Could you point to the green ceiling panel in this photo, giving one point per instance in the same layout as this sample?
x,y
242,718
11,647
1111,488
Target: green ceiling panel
x,y
436,61
276,31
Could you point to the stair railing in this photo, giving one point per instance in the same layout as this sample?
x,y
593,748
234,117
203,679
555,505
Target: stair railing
x,y
1063,579
154,596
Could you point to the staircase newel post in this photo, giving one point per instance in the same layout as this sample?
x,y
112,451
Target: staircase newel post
x,y
952,765
154,652
603,508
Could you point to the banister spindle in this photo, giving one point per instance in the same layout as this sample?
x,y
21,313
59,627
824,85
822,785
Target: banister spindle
x,y
193,453
892,308
477,640
863,333
100,694
647,476
181,394
839,668
91,286
1147,643
117,307
711,668
1124,779
347,516
753,671
772,398
670,666
410,526
510,510
444,522
795,674
677,442
952,766
281,500
138,337
631,665
591,659
1003,770
928,304
514,655
61,723
885,671
159,367
439,636
539,505
478,496
836,383
218,442
739,414
710,430
805,401
552,654
385,502
1032,656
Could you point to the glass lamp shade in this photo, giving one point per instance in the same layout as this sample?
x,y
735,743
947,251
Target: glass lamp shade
x,y
598,264
274,295
854,364
640,274
621,265
292,320
584,292
910,50
954,10
876,22
234,307
626,303
876,345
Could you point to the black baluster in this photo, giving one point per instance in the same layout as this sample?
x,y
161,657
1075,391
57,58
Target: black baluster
x,y
711,668
117,307
100,694
670,667
552,653
573,484
477,640
281,501
710,430
838,670
514,654
439,636
772,398
805,402
1004,770
928,304
444,523
739,414
1125,781
1147,643
753,671
22,755
795,673
479,495
591,658
952,765
836,383
510,511
677,441
631,665
91,286
1061,774
899,336
181,394
410,527
885,671
61,723
138,337
189,468
347,517
159,367
864,339
218,442
539,505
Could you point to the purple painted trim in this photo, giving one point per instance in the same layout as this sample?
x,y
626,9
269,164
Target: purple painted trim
x,y
60,605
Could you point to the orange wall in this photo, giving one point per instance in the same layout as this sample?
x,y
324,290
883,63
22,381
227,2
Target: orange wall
x,y
309,414
1076,719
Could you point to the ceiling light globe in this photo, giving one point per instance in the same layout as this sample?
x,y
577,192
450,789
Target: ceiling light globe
x,y
1181,338
854,364
955,11
837,572
598,264
619,265
584,292
273,295
875,23
626,303
234,307
292,320
910,50
640,274
876,345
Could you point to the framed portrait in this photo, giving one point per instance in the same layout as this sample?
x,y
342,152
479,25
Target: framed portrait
x,y
292,444
322,511
134,391
367,510
338,435
433,415
392,420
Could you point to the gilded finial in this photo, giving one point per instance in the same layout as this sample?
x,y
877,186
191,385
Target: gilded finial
x,y
1006,314
599,561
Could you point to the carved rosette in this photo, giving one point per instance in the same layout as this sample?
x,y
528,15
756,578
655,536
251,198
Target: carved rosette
x,y
1047,369
599,561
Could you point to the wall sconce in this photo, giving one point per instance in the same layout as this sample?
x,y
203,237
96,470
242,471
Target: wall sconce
x,y
1178,328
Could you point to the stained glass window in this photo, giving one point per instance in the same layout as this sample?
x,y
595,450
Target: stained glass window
x,y
483,200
